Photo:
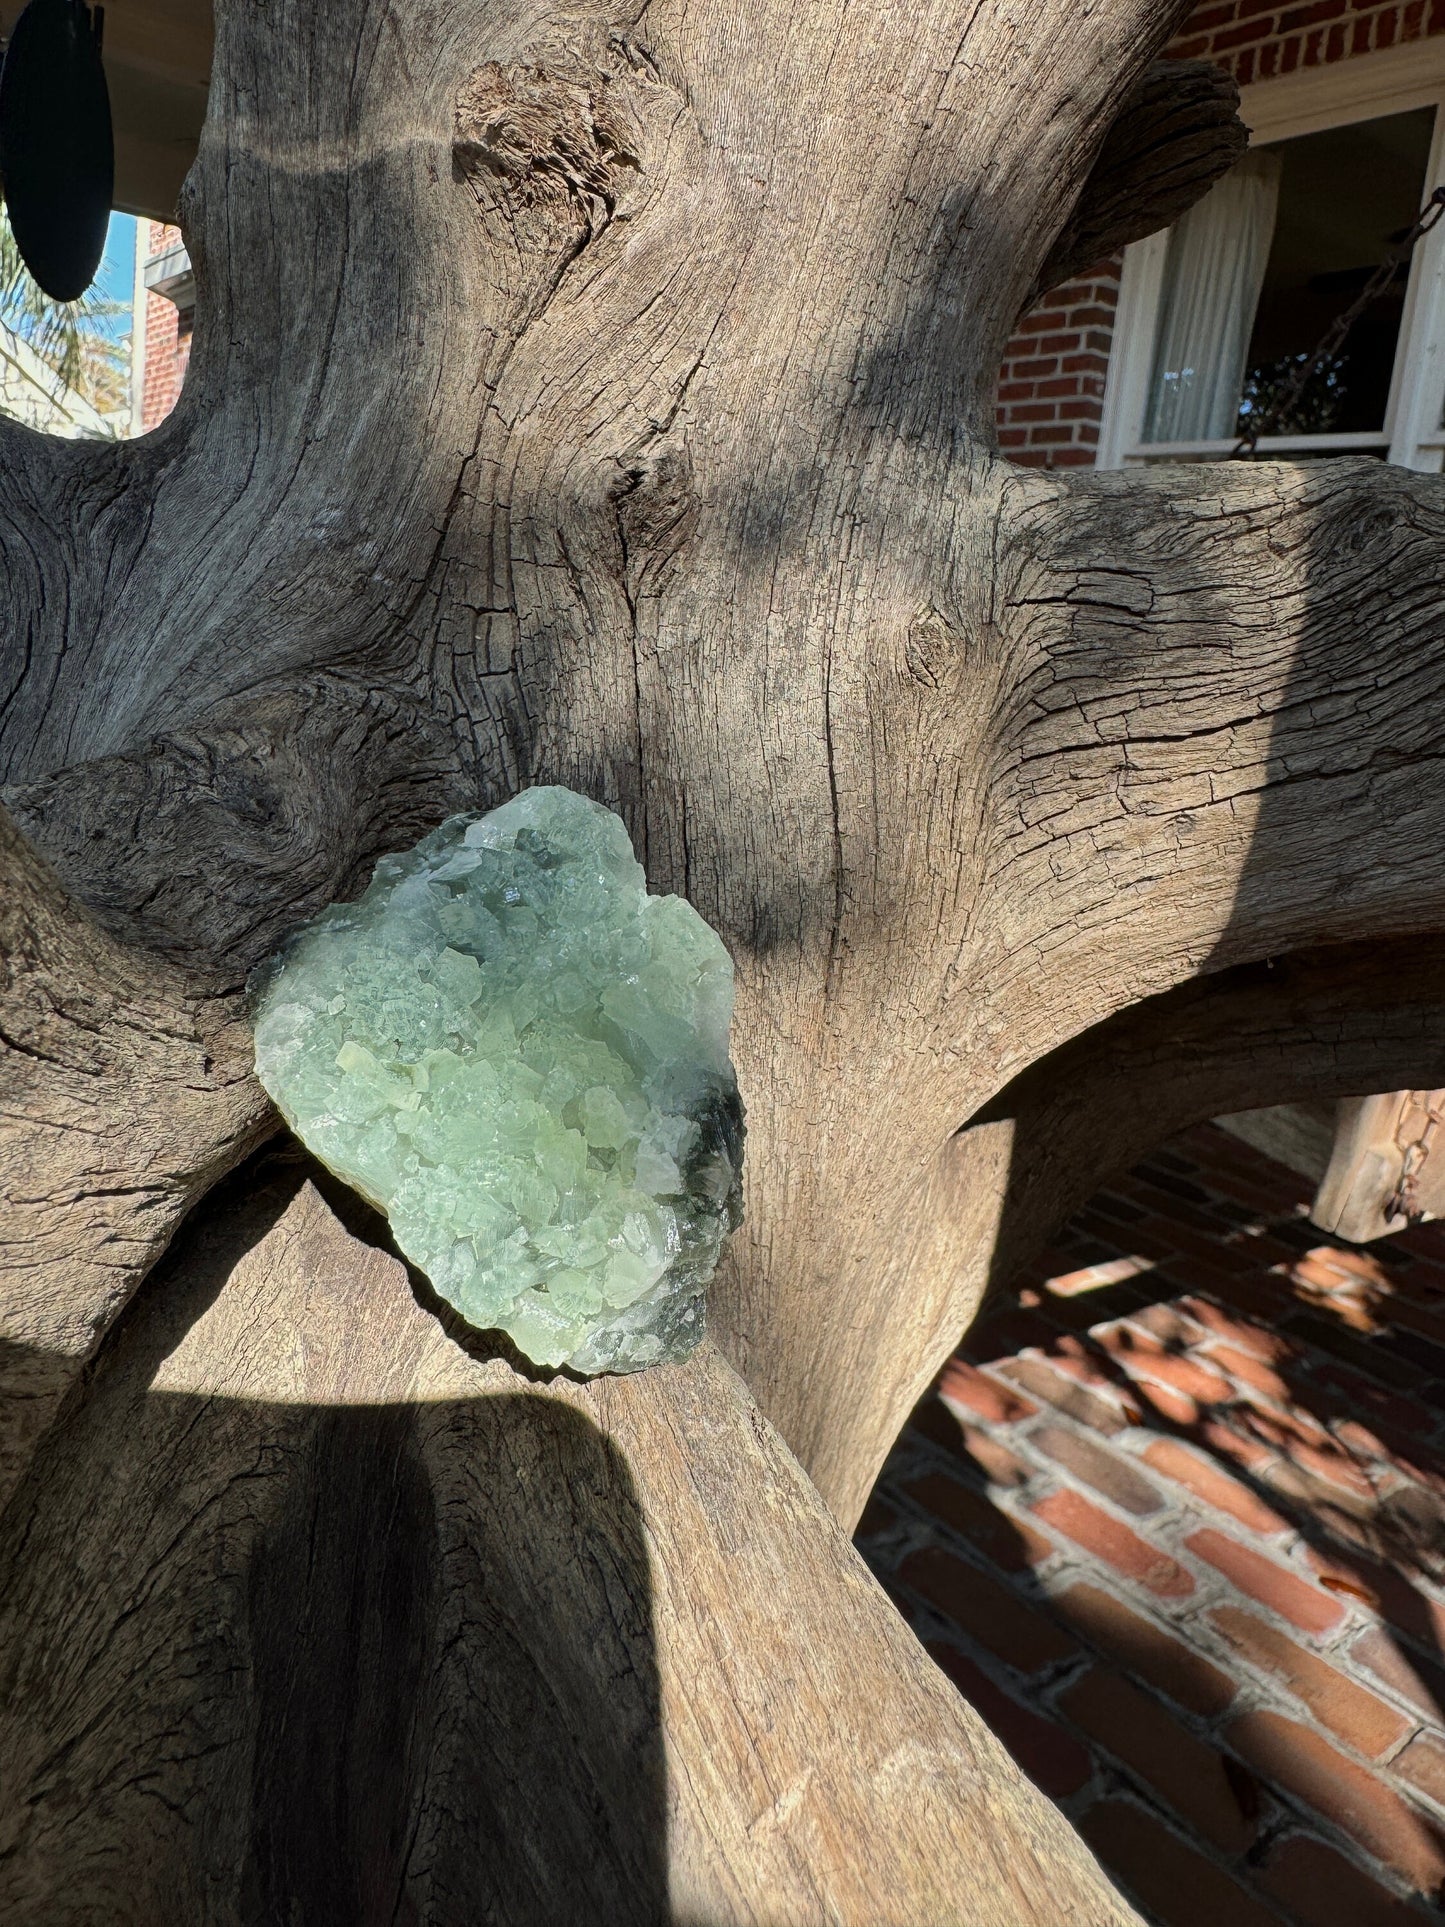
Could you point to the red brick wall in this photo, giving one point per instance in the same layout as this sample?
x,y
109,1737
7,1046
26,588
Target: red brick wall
x,y
1051,384
1151,1523
1051,387
168,340
1257,39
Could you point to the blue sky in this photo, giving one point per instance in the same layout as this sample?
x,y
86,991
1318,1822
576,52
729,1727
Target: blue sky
x,y
115,276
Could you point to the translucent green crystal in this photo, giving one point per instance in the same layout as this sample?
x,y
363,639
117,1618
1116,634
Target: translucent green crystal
x,y
522,1058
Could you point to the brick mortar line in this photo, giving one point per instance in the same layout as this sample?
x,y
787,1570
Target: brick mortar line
x,y
1331,1647
1310,1357
1070,1564
1383,1456
1113,1777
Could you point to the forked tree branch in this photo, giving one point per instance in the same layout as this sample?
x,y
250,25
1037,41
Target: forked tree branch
x,y
961,762
1209,699
1317,1025
578,398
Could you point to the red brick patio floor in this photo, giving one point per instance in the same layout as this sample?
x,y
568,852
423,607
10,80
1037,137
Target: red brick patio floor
x,y
1174,1522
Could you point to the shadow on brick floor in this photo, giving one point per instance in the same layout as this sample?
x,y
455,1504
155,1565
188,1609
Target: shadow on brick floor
x,y
1174,1521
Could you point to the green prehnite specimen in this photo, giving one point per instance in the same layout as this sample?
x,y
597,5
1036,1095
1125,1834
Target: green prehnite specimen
x,y
522,1058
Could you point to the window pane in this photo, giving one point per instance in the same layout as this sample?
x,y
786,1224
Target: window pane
x,y
1257,271
1212,277
1345,196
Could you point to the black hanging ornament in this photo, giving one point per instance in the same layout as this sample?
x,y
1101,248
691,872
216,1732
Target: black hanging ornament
x,y
57,152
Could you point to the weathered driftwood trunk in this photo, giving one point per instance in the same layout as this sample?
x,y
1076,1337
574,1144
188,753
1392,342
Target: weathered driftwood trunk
x,y
602,396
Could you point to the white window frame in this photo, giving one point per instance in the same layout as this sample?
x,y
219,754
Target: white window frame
x,y
1390,82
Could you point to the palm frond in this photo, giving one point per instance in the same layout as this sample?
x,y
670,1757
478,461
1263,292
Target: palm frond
x,y
69,336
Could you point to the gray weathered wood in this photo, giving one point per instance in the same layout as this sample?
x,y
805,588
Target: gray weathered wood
x,y
1386,1167
1173,138
310,1615
125,1092
603,395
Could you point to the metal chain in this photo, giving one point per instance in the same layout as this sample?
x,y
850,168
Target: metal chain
x,y
1334,336
1404,1201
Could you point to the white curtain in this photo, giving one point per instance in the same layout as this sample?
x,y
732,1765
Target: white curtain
x,y
1212,277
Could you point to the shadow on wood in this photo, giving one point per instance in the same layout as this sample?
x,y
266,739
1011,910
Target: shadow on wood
x,y
311,1615
272,1661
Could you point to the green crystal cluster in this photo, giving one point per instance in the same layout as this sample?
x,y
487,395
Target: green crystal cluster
x,y
522,1058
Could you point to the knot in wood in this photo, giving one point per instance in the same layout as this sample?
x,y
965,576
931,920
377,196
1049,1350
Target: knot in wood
x,y
546,138
1375,526
931,651
655,501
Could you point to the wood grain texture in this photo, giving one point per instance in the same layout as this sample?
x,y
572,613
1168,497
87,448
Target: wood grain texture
x,y
1311,1026
1386,1166
607,438
125,1092
1173,138
601,393
309,1615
